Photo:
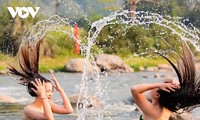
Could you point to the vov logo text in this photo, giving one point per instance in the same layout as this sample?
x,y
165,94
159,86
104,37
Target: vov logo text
x,y
23,12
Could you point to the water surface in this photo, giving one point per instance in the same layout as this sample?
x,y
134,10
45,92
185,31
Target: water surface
x,y
118,107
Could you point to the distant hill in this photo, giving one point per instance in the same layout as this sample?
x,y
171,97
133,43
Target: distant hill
x,y
97,6
75,8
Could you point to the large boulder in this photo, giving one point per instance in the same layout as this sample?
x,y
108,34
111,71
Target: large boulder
x,y
111,63
77,65
92,101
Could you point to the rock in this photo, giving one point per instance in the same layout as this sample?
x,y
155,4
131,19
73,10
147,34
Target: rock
x,y
93,101
77,65
152,69
7,99
166,75
145,76
157,75
3,72
107,62
141,68
164,66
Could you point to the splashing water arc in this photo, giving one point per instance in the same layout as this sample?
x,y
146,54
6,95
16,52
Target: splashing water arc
x,y
96,87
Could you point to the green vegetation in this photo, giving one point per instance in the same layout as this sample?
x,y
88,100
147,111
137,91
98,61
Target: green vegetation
x,y
57,63
137,62
123,40
12,29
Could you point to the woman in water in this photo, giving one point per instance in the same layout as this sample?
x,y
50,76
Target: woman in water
x,y
38,86
171,96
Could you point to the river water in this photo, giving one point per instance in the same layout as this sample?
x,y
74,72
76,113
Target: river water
x,y
118,107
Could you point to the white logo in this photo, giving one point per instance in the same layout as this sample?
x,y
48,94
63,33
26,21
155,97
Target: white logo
x,y
23,12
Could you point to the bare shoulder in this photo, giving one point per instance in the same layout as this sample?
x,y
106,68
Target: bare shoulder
x,y
28,108
31,111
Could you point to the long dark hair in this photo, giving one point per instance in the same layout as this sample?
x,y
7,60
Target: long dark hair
x,y
188,96
28,56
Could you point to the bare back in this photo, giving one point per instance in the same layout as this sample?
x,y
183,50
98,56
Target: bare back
x,y
162,114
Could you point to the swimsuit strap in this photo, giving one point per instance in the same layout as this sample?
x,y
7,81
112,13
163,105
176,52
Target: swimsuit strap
x,y
141,117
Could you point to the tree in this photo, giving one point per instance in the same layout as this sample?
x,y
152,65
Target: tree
x,y
12,29
57,4
131,5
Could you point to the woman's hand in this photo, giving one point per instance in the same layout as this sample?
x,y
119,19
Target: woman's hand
x,y
168,87
175,82
57,85
40,88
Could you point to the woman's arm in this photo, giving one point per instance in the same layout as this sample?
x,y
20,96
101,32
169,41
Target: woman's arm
x,y
66,108
142,102
141,88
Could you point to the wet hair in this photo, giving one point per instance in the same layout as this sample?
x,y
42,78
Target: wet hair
x,y
28,56
187,97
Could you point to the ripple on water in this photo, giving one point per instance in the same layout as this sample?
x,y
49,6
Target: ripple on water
x,y
11,111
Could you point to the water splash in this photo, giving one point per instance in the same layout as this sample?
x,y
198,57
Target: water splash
x,y
93,84
186,33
